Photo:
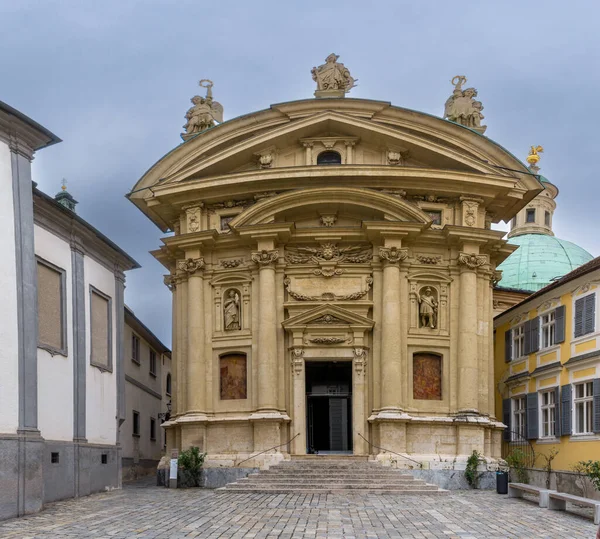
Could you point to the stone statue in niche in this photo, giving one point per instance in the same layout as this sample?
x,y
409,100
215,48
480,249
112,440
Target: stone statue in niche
x,y
231,310
462,108
428,309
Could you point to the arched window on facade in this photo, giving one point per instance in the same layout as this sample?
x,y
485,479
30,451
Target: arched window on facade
x,y
232,367
329,158
168,384
427,376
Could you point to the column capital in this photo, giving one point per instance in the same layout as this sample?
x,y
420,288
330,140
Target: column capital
x,y
191,265
393,255
471,261
265,258
170,281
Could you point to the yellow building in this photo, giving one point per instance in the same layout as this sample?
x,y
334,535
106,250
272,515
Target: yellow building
x,y
547,364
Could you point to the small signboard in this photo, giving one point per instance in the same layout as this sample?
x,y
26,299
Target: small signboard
x,y
173,469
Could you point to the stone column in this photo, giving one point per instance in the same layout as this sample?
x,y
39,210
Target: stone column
x,y
391,339
349,151
308,146
267,331
468,386
359,374
299,413
196,362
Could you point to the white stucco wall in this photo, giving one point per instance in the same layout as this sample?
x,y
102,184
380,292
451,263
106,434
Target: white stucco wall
x,y
9,381
55,373
101,390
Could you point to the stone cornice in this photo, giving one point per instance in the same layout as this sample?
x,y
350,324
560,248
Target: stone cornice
x,y
274,231
206,238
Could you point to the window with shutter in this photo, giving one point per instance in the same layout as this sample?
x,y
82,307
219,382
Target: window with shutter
x,y
585,315
565,409
506,410
527,339
534,329
532,426
597,405
559,326
589,314
508,346
557,410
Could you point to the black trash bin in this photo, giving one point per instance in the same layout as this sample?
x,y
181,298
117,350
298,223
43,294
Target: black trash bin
x,y
502,482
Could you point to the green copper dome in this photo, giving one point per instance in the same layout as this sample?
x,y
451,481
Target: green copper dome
x,y
539,260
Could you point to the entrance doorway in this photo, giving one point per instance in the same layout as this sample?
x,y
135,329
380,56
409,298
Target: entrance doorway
x,y
329,406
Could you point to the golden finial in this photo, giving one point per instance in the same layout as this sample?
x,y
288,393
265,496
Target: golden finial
x,y
533,157
64,184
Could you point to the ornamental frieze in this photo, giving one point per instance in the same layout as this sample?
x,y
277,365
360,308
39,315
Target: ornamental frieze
x,y
328,319
328,296
428,259
232,263
327,340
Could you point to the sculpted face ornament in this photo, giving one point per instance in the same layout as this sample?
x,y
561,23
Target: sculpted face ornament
x,y
264,258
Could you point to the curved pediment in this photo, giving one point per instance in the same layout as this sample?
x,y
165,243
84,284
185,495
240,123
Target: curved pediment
x,y
238,144
349,199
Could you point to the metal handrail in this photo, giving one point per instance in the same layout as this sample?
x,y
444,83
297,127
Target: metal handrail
x,y
274,447
389,451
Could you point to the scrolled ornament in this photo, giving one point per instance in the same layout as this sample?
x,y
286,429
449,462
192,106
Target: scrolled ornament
x,y
393,255
264,257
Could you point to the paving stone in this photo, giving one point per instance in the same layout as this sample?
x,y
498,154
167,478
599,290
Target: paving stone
x,y
145,511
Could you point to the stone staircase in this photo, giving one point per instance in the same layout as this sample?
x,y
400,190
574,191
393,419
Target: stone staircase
x,y
329,475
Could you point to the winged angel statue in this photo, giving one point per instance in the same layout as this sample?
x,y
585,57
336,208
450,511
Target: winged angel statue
x,y
204,113
328,252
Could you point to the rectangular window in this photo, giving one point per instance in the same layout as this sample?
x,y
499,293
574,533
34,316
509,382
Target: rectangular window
x,y
104,458
225,220
530,216
51,313
152,362
136,424
548,409
135,349
435,216
101,329
518,342
585,315
548,329
152,429
584,408
547,218
514,222
54,458
518,423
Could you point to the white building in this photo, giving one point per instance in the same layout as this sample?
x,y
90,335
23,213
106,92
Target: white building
x,y
147,398
62,389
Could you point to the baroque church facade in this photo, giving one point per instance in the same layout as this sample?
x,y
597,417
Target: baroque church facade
x,y
332,263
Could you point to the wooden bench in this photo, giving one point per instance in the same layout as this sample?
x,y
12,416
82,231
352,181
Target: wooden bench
x,y
558,502
516,490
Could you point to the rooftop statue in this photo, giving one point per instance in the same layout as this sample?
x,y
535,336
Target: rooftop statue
x,y
204,113
462,108
333,79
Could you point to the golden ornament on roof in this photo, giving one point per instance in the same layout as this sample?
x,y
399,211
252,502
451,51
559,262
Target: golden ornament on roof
x,y
533,157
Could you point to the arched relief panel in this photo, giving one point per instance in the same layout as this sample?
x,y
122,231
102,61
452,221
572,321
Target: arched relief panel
x,y
429,303
231,305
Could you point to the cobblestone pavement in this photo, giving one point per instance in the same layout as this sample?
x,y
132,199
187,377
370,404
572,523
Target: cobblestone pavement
x,y
144,511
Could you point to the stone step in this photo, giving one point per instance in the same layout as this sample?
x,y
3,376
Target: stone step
x,y
405,492
346,486
292,478
365,473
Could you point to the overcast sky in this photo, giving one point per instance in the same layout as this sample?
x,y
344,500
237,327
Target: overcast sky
x,y
113,79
